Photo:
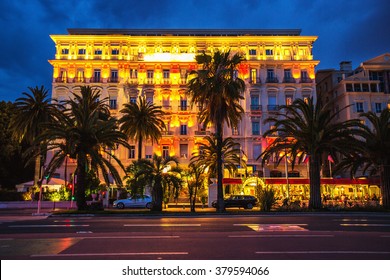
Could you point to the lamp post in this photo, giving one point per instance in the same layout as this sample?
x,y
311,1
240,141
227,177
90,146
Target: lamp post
x,y
40,189
286,168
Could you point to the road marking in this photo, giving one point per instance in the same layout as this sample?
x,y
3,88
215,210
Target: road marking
x,y
134,237
365,225
42,226
386,236
83,232
112,254
321,252
281,236
162,225
350,220
274,227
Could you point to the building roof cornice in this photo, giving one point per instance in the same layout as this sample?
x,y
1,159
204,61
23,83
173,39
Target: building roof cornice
x,y
185,32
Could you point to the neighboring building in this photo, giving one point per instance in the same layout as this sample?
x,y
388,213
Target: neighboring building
x,y
126,63
367,88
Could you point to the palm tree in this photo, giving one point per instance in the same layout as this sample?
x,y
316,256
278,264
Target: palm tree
x,y
33,110
310,129
86,132
142,121
207,155
163,176
194,176
373,153
218,91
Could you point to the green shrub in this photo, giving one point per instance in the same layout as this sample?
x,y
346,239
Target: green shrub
x,y
267,199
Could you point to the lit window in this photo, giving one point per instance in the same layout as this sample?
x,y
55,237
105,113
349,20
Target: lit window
x,y
289,99
184,151
254,76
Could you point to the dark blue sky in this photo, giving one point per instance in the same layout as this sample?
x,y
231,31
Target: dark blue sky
x,y
355,30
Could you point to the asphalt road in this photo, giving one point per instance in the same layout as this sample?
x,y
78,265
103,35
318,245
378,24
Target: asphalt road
x,y
205,237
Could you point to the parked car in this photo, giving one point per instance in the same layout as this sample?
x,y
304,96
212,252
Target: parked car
x,y
136,201
244,201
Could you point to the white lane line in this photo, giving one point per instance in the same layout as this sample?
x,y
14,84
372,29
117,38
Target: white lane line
x,y
43,226
112,254
274,227
162,225
134,237
350,220
321,252
281,236
365,225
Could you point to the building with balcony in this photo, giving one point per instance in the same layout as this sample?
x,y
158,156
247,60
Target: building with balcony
x,y
367,88
126,63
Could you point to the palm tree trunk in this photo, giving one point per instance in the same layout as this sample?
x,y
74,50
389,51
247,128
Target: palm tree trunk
x,y
385,185
80,190
140,147
157,196
221,203
315,183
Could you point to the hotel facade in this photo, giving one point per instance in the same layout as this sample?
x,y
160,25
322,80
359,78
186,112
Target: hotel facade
x,y
126,63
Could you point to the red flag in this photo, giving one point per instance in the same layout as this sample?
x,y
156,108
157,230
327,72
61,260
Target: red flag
x,y
330,159
305,159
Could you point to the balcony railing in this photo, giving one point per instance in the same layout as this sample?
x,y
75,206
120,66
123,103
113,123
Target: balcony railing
x,y
202,132
289,80
61,80
256,107
183,108
272,80
113,80
306,80
167,133
255,81
96,80
167,107
272,108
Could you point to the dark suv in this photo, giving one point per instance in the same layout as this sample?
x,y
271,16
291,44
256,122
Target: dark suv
x,y
244,201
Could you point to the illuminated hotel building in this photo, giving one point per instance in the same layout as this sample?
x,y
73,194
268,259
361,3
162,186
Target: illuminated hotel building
x,y
126,63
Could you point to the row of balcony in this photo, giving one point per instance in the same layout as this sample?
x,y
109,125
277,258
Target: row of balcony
x,y
275,80
197,133
152,82
127,57
130,82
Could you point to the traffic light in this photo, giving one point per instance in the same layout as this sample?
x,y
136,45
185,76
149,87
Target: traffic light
x,y
70,186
